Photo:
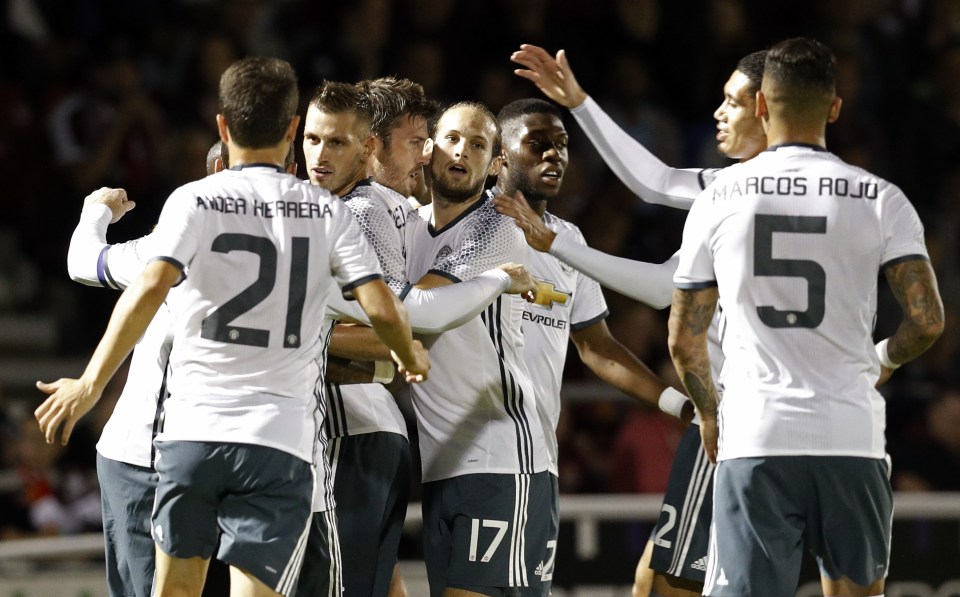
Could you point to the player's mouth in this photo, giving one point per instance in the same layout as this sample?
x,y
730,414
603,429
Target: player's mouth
x,y
458,169
552,176
321,173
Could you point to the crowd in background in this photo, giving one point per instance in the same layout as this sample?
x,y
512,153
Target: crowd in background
x,y
115,93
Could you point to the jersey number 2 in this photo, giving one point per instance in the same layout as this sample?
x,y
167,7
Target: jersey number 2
x,y
216,326
764,264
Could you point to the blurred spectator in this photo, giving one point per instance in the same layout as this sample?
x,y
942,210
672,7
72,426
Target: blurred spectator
x,y
931,461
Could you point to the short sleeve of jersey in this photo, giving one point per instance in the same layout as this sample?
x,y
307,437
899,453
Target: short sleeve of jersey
x,y
352,258
491,240
120,264
695,269
589,305
902,229
177,235
380,228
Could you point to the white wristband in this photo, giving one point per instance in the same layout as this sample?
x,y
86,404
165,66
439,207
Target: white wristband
x,y
671,402
383,372
884,357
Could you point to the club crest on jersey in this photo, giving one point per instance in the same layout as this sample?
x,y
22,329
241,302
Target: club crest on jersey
x,y
442,254
548,295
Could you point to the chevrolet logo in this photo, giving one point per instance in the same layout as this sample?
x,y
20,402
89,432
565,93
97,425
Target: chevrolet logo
x,y
547,295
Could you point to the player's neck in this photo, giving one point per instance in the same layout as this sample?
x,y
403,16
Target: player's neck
x,y
445,211
784,133
275,155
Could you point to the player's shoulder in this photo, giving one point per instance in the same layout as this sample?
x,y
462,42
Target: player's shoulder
x,y
557,223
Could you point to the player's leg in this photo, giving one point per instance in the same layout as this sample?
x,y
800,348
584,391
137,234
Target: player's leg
x,y
397,586
179,577
371,486
474,529
244,584
265,513
759,519
184,520
126,498
542,556
679,543
643,576
850,524
321,573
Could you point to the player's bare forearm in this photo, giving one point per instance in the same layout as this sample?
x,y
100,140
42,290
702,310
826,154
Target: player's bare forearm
x,y
915,287
690,316
358,343
344,371
388,317
612,362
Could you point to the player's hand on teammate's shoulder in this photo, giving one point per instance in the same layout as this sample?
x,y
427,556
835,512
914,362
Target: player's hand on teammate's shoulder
x,y
416,370
521,281
552,76
69,399
115,199
538,235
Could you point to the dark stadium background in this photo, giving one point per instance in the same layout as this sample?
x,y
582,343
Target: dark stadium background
x,y
69,71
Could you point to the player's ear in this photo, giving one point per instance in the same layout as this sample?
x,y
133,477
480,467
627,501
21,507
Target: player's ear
x,y
428,148
292,129
495,165
761,111
835,109
222,128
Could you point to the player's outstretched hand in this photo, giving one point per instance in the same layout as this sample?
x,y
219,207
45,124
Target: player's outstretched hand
x,y
416,370
521,282
115,199
552,76
709,432
534,230
69,400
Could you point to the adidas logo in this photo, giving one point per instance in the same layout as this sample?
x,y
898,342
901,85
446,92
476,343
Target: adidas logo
x,y
158,533
700,564
539,570
722,581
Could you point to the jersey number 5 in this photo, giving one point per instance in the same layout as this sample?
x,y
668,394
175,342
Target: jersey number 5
x,y
216,326
764,264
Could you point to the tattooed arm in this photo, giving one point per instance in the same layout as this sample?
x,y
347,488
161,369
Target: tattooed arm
x,y
915,286
690,318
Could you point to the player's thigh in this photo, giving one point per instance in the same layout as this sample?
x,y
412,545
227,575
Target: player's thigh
x,y
850,523
126,495
476,527
756,543
682,535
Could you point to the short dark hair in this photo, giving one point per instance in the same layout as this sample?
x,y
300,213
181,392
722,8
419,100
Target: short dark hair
x,y
751,65
800,75
391,99
337,97
258,97
488,114
508,114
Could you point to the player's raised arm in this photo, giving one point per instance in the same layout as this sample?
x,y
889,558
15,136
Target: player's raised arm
x,y
641,171
649,283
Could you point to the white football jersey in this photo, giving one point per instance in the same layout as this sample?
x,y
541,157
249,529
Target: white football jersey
x,y
353,409
566,300
261,247
477,411
795,240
